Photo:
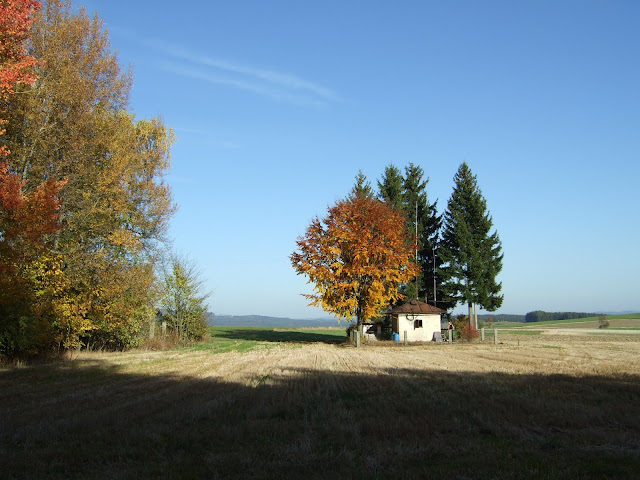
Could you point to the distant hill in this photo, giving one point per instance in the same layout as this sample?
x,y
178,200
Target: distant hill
x,y
264,321
285,322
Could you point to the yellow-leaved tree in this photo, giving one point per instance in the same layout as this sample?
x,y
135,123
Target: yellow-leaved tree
x,y
183,300
356,257
96,287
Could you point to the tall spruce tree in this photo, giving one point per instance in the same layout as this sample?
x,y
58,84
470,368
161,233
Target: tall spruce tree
x,y
472,255
421,217
408,194
390,188
362,187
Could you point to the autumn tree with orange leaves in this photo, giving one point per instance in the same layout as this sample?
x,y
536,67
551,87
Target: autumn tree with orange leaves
x,y
27,225
16,66
95,285
22,219
27,219
356,258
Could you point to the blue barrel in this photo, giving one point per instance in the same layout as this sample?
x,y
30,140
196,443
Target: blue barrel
x,y
396,337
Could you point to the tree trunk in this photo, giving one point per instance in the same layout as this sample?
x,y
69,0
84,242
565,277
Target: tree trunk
x,y
470,315
475,315
360,318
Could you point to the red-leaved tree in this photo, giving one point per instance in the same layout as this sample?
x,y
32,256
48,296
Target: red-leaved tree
x,y
26,220
16,66
23,220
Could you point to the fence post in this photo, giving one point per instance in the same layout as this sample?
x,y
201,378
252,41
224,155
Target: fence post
x,y
495,336
164,330
152,330
357,339
405,338
482,334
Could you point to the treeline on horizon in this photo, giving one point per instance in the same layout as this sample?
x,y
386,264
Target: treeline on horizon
x,y
537,316
541,316
266,321
501,317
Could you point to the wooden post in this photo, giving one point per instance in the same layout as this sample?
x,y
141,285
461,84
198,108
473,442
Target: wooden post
x,y
405,338
495,336
164,330
152,330
357,339
482,334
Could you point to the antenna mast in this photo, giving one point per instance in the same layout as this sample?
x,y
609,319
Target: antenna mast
x,y
417,288
435,295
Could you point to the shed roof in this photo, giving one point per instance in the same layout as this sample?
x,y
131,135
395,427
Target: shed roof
x,y
415,306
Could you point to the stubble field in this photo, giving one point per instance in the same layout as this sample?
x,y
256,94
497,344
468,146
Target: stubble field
x,y
308,406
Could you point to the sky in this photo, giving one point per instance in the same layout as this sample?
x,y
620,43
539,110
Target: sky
x,y
276,106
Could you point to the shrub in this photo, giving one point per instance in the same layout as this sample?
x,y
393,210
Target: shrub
x,y
459,323
468,333
603,321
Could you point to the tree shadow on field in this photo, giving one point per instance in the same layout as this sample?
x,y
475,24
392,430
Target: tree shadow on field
x,y
89,419
284,336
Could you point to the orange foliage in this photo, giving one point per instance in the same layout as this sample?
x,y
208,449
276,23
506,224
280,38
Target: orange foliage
x,y
25,220
468,333
16,66
356,257
16,17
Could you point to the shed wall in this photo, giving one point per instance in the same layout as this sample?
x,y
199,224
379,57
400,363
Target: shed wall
x,y
430,324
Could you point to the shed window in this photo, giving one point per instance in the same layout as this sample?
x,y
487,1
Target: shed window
x,y
417,323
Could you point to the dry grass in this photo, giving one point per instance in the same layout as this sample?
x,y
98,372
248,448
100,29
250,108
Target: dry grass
x,y
617,321
533,407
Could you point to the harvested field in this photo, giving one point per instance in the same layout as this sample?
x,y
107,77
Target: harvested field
x,y
535,406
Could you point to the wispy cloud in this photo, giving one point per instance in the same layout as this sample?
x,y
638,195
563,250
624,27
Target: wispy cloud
x,y
267,83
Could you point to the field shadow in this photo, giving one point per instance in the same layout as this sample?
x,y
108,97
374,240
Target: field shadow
x,y
284,336
92,420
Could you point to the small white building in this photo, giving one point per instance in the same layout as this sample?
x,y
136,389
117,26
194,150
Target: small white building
x,y
420,320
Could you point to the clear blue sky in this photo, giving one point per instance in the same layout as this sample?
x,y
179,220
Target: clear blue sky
x,y
278,104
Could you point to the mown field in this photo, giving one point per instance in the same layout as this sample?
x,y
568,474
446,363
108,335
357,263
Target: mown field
x,y
275,403
625,322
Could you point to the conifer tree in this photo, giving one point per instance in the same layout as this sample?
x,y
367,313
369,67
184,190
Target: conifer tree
x,y
362,188
390,188
408,194
472,255
421,217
